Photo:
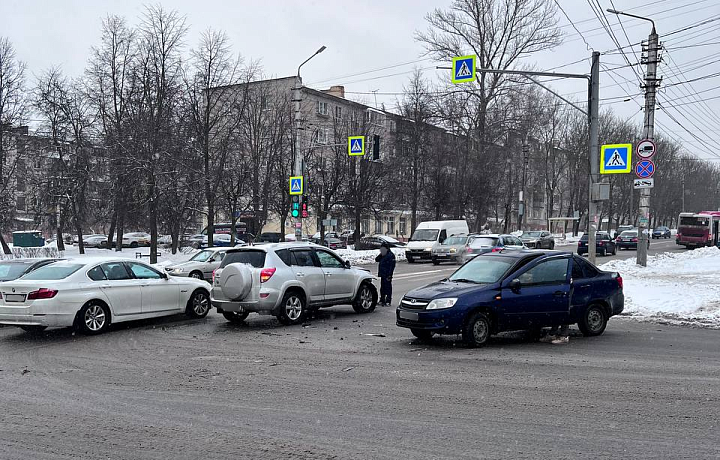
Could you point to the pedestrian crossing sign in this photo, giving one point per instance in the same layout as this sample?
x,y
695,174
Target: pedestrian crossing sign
x,y
463,69
296,185
356,145
616,159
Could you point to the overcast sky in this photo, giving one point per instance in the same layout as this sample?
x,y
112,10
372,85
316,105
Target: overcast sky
x,y
363,36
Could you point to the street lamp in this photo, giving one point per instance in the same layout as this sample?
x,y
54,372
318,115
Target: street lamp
x,y
298,154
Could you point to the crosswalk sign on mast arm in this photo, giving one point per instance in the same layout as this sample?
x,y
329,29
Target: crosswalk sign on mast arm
x,y
616,159
463,69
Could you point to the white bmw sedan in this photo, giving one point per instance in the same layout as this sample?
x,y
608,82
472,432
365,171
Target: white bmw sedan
x,y
90,293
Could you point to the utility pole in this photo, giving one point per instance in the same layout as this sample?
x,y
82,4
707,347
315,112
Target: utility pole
x,y
593,110
651,83
650,87
299,157
521,207
683,195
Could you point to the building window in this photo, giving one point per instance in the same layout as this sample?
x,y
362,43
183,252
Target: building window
x,y
391,126
38,162
322,108
20,183
391,225
378,225
338,112
365,226
322,136
403,226
20,203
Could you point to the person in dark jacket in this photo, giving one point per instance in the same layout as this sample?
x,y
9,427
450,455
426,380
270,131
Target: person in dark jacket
x,y
386,268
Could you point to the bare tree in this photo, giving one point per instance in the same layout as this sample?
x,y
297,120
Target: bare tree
x,y
12,112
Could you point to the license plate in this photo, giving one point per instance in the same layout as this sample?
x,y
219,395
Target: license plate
x,y
409,315
15,297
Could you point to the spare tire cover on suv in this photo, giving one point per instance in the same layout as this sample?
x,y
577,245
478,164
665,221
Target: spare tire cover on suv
x,y
236,281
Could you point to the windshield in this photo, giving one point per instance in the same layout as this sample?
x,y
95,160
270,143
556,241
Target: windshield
x,y
694,221
484,241
11,271
425,234
53,272
629,233
531,235
455,240
202,256
483,270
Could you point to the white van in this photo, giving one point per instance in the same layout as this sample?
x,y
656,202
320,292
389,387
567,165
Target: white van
x,y
429,235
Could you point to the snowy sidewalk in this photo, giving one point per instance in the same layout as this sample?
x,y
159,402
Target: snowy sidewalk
x,y
675,288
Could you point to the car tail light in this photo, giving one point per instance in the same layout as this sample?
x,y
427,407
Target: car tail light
x,y
42,293
678,234
469,250
213,277
635,240
266,274
619,280
496,249
601,243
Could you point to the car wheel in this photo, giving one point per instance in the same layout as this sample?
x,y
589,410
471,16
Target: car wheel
x,y
366,298
603,253
236,317
477,330
614,250
33,329
422,334
292,308
435,261
134,244
197,275
593,321
93,318
552,245
199,304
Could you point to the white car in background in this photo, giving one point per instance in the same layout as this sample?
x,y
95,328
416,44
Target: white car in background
x,y
200,266
135,239
95,241
91,293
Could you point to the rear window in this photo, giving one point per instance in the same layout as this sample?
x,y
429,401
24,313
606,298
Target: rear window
x,y
629,233
484,241
11,271
254,258
53,272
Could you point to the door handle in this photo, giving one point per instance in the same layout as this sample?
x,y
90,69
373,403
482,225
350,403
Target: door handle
x,y
300,274
106,286
560,293
328,274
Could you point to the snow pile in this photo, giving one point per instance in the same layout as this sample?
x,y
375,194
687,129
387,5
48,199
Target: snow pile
x,y
567,239
678,288
367,257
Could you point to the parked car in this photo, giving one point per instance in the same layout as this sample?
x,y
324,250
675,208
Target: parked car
x,y
661,232
268,237
15,268
483,244
135,239
349,236
335,243
538,239
91,293
514,290
287,279
623,228
604,245
629,240
375,241
95,241
219,240
452,249
200,266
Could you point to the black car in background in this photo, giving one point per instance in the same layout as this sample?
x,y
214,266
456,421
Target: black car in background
x,y
269,237
604,245
375,241
15,268
629,240
661,232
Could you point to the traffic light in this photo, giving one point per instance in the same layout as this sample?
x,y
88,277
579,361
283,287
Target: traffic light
x,y
376,147
304,207
295,209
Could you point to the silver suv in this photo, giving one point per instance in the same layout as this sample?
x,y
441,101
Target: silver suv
x,y
286,280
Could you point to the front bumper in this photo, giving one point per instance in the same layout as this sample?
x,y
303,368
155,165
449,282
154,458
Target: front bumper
x,y
418,254
445,256
626,245
446,321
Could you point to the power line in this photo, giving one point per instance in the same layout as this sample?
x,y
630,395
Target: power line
x,y
574,27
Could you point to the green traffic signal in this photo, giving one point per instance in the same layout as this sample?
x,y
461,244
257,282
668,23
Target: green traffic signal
x,y
295,213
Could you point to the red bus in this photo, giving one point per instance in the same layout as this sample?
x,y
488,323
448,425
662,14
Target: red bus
x,y
698,229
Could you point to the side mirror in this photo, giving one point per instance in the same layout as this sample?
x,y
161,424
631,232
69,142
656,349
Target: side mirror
x,y
347,264
164,276
515,285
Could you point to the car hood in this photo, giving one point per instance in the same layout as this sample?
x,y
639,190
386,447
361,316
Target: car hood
x,y
186,264
441,289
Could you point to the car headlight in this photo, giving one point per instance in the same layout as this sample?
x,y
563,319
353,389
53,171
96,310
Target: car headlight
x,y
428,249
439,304
177,270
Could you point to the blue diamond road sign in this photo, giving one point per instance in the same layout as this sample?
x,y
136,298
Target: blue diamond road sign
x,y
463,69
296,185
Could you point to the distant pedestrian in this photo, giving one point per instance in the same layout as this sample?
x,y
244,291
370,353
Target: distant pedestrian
x,y
386,268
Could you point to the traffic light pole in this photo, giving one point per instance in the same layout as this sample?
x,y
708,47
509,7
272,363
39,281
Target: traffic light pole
x,y
592,114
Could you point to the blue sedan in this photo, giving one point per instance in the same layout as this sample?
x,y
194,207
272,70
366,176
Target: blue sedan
x,y
518,290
